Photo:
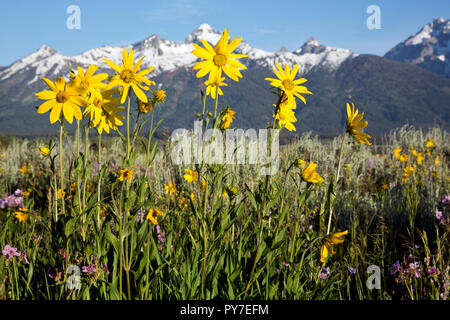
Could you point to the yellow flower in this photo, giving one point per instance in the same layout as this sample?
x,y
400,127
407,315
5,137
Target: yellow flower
x,y
385,186
103,111
171,188
125,174
285,115
299,163
145,107
60,194
407,172
419,158
129,76
309,174
21,215
287,84
192,196
153,215
219,58
190,176
24,169
354,124
27,193
62,98
44,151
397,152
87,83
203,185
213,85
430,143
327,247
403,157
436,160
159,96
227,119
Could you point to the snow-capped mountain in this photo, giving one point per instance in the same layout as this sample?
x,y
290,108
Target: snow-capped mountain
x,y
429,48
166,55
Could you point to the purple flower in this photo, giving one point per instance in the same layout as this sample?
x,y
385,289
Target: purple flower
x,y
89,269
18,193
25,257
352,270
415,268
440,217
432,271
446,199
10,252
392,184
396,267
325,273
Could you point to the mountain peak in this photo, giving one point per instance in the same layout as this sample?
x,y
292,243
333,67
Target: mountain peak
x,y
428,48
311,46
203,31
46,50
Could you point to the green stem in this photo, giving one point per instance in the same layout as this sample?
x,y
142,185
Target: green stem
x,y
99,178
128,126
150,135
61,165
336,180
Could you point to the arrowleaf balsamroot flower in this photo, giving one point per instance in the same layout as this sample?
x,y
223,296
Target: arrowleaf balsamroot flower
x,y
153,215
87,83
171,188
190,176
44,151
287,84
21,215
213,85
309,174
103,111
396,152
125,174
130,76
227,119
430,143
327,247
219,58
354,124
63,98
285,115
159,96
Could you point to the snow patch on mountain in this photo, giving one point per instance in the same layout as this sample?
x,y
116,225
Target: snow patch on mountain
x,y
166,55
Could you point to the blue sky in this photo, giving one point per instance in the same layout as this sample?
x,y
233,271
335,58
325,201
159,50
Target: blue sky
x,y
269,25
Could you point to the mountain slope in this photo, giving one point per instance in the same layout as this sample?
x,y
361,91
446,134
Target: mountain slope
x,y
390,93
429,48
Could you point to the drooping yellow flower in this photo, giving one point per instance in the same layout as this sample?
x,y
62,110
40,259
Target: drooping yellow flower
x,y
130,76
354,124
285,115
190,176
21,215
170,188
203,185
44,151
62,98
145,107
309,174
327,247
103,111
287,84
87,83
430,143
159,96
218,59
153,215
227,119
214,85
403,157
397,152
126,174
